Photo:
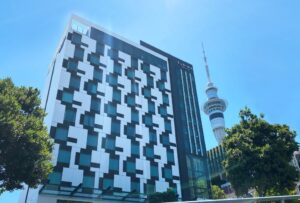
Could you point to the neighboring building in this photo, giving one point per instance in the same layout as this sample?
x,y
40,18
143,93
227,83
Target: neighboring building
x,y
296,160
125,121
214,107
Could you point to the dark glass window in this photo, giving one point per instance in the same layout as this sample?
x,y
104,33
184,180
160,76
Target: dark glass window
x,y
163,75
111,109
150,81
147,92
165,139
115,126
135,87
162,110
89,120
94,59
165,99
74,82
114,164
154,171
151,106
135,149
72,65
85,159
67,97
113,53
149,152
161,86
92,87
130,73
170,156
76,38
98,74
95,104
55,178
92,140
112,80
130,167
148,120
134,116
78,53
152,136
116,95
167,173
135,186
149,188
70,115
134,62
146,68
100,48
168,126
61,133
130,130
108,183
88,182
131,100
64,156
109,143
118,68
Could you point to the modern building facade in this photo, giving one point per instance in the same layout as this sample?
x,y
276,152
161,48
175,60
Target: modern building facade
x,y
125,121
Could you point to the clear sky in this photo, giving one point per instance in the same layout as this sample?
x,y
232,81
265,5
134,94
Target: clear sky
x,y
252,46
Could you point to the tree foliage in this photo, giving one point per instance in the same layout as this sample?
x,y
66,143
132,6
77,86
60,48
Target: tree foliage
x,y
217,192
168,196
25,147
258,156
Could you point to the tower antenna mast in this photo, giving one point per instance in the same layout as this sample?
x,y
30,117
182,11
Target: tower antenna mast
x,y
206,65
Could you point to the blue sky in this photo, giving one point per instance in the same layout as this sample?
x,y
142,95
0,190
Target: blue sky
x,y
253,47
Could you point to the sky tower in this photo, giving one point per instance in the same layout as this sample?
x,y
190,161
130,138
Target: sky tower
x,y
214,106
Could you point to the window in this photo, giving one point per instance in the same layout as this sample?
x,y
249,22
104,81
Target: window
x,y
116,95
130,130
109,143
89,120
150,81
72,65
165,99
70,115
167,173
111,109
135,149
67,97
85,159
94,59
152,136
162,111
115,126
151,106
98,73
88,182
154,171
92,87
146,68
168,125
149,152
130,167
148,120
55,178
134,62
149,188
113,53
100,48
165,139
74,82
76,38
130,73
170,156
78,53
61,133
147,92
108,183
64,156
131,100
118,68
135,87
114,164
135,186
161,86
95,104
112,80
92,140
163,75
134,116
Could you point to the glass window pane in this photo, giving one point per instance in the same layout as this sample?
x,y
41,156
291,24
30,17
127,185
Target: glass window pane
x,y
118,68
167,173
151,107
112,80
134,116
170,156
75,82
148,120
109,144
85,159
78,53
107,182
76,38
94,59
92,87
165,99
89,120
134,87
72,65
54,178
61,133
154,171
92,140
100,48
88,182
67,97
135,149
165,139
64,156
150,81
152,136
70,115
168,125
98,74
114,164
95,104
147,92
130,130
116,95
115,126
149,189
131,100
135,186
149,152
130,167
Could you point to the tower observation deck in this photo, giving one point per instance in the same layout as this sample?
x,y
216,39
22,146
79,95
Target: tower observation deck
x,y
214,107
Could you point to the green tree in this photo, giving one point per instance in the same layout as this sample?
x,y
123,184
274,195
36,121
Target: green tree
x,y
217,192
258,156
25,147
168,196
